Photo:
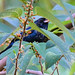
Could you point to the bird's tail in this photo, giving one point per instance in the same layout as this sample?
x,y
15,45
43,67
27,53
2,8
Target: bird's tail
x,y
10,45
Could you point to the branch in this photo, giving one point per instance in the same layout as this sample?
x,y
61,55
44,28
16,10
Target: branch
x,y
41,65
56,67
16,67
33,72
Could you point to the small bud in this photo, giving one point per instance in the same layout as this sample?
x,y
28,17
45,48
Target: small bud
x,y
27,5
25,13
18,35
33,17
32,21
35,50
19,52
20,17
22,5
26,9
31,6
27,23
40,56
23,22
20,26
31,9
23,19
1,44
9,41
21,31
32,12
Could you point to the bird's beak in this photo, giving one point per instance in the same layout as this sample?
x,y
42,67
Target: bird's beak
x,y
46,21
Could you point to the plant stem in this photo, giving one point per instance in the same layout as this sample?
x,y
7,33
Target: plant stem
x,y
41,65
56,67
16,66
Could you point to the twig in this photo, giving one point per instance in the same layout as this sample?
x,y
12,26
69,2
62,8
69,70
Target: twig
x,y
56,67
41,65
57,71
16,66
33,72
54,70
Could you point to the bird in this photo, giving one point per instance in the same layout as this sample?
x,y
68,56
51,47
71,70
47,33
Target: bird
x,y
34,35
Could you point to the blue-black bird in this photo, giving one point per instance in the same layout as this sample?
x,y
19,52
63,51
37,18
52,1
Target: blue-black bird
x,y
35,35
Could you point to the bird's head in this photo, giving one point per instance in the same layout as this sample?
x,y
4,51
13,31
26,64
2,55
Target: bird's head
x,y
42,23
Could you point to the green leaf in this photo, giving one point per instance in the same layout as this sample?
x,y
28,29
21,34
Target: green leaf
x,y
2,47
53,19
56,40
24,1
52,27
69,13
5,28
72,2
10,51
51,59
4,38
40,47
47,4
15,12
64,5
59,2
72,69
49,44
9,63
